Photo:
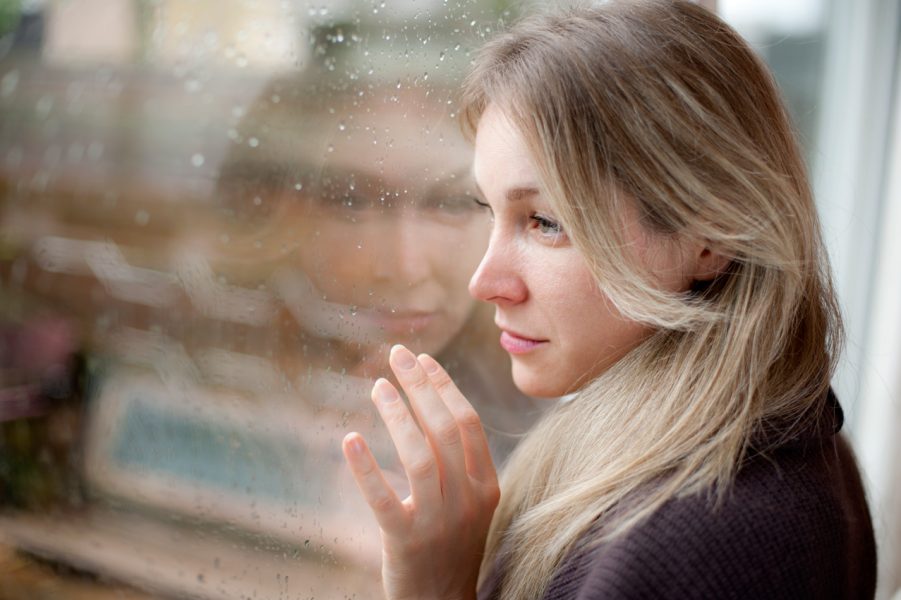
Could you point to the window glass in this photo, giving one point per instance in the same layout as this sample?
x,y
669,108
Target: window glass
x,y
791,37
217,218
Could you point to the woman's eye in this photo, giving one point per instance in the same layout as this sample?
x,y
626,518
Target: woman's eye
x,y
547,226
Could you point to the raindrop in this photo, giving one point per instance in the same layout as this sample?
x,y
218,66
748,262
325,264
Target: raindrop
x,y
341,126
257,200
331,148
276,98
142,217
238,111
253,142
197,159
353,310
298,186
442,55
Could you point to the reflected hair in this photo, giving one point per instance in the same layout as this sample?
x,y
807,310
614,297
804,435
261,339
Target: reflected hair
x,y
661,108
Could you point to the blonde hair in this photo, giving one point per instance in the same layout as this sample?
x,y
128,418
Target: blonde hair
x,y
660,106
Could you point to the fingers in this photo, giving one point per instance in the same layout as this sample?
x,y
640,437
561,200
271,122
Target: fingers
x,y
386,506
479,464
414,451
436,419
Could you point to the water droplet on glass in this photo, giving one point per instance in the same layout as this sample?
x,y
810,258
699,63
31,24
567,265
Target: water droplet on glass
x,y
253,142
192,86
241,61
257,200
353,310
142,217
276,98
442,55
331,148
342,126
298,186
197,160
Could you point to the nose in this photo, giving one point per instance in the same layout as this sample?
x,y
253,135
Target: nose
x,y
497,278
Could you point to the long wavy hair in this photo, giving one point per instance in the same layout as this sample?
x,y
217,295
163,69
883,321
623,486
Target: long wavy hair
x,y
661,107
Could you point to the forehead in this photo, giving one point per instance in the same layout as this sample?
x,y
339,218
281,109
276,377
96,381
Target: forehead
x,y
501,159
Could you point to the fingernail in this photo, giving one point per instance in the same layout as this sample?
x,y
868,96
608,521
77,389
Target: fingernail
x,y
403,358
429,363
384,391
356,446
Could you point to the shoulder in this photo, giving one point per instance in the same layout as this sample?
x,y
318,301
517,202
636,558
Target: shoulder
x,y
794,525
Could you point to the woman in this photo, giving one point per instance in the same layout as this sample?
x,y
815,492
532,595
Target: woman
x,y
655,251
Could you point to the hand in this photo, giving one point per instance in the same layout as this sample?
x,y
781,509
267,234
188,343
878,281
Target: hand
x,y
433,540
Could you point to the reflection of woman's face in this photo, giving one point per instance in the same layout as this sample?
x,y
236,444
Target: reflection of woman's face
x,y
387,231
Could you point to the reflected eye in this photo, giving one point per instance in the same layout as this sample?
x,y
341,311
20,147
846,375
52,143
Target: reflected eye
x,y
356,203
451,204
483,205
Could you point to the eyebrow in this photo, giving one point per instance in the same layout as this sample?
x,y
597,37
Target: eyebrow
x,y
514,193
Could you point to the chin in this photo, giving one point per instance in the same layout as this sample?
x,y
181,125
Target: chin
x,y
537,385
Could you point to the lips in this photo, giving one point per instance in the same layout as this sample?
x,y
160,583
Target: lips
x,y
515,343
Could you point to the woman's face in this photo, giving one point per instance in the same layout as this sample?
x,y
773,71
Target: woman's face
x,y
387,232
560,330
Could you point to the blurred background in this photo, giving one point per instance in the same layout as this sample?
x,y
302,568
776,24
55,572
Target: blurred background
x,y
215,218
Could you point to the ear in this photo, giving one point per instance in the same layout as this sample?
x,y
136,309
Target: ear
x,y
708,263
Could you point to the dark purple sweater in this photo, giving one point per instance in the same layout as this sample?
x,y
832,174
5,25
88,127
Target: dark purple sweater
x,y
795,526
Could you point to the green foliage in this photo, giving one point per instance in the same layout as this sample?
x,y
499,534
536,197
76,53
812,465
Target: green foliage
x,y
10,13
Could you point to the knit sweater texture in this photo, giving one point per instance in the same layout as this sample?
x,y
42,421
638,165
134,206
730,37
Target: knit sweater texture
x,y
794,526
